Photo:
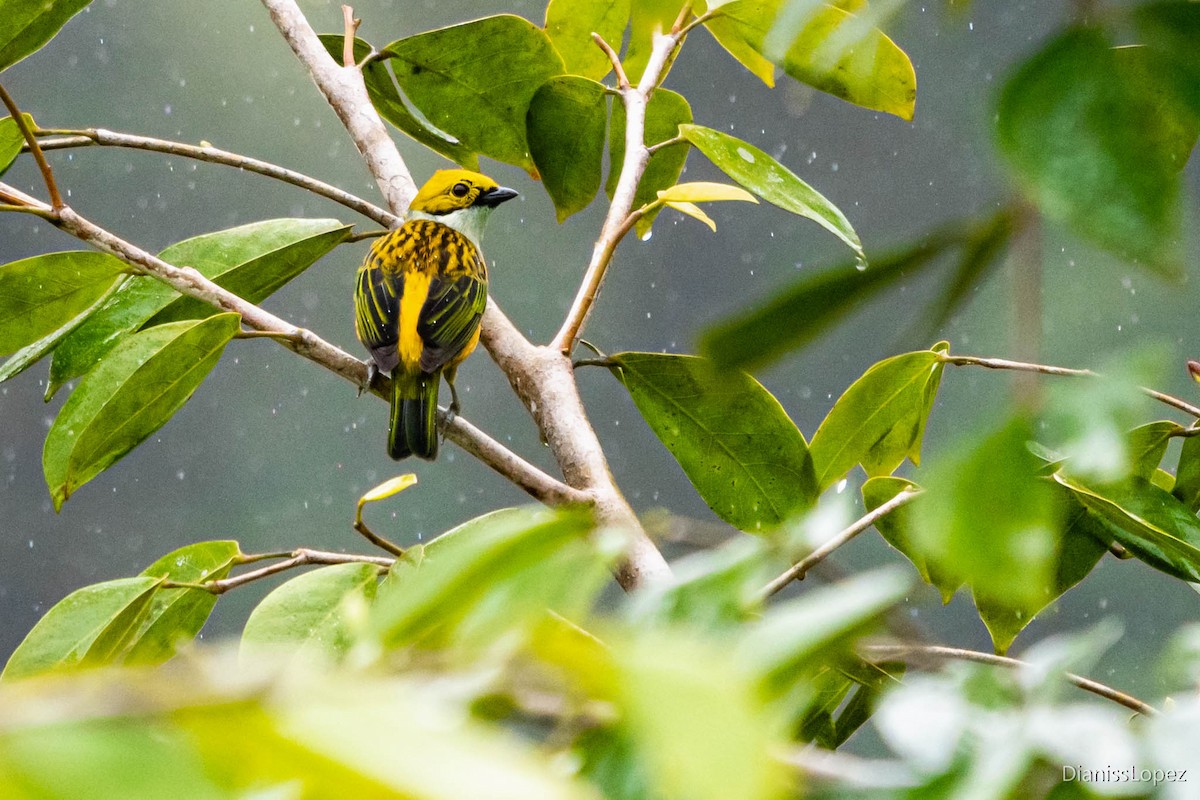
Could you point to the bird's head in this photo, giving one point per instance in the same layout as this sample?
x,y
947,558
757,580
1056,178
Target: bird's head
x,y
461,199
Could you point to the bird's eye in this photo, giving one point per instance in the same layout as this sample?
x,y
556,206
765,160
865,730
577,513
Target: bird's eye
x,y
460,190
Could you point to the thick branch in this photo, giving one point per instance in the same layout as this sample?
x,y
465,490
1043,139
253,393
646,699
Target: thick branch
x,y
215,155
939,653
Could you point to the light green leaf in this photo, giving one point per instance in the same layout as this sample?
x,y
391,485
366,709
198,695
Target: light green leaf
x,y
42,294
315,617
130,395
1147,444
26,26
89,626
693,211
896,530
388,488
1171,29
570,25
177,615
734,441
1187,474
704,192
647,18
880,420
1085,138
252,261
830,49
665,112
11,139
475,81
566,122
771,181
1148,521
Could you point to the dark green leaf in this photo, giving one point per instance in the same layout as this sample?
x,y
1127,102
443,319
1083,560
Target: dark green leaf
x,y
1187,474
475,80
177,615
880,420
1148,521
896,530
771,181
826,47
570,24
252,261
130,395
1088,143
11,140
665,112
566,123
391,105
90,626
25,26
795,316
1171,30
41,295
733,439
315,617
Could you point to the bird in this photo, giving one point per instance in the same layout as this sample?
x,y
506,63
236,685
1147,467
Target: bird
x,y
419,298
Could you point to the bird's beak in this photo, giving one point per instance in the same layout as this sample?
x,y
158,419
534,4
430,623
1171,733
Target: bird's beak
x,y
494,197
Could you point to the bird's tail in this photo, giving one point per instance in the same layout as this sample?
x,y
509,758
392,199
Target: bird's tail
x,y
412,427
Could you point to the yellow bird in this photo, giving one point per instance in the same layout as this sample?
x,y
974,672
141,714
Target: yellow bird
x,y
419,298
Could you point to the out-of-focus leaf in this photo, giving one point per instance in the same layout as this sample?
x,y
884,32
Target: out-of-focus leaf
x,y
177,615
1148,521
90,626
570,25
989,520
770,180
1187,474
566,123
610,759
1171,30
896,530
828,48
983,251
25,27
1085,137
732,438
795,316
11,139
713,589
648,17
315,617
41,295
475,80
665,113
880,420
130,395
1148,444
252,261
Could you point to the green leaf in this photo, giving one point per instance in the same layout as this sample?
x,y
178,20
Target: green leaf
x,y
828,48
704,192
89,626
252,261
1148,521
570,25
734,441
647,18
128,396
1086,139
983,248
382,91
1147,444
1171,29
177,615
771,181
896,530
11,140
475,81
665,112
316,616
713,589
42,294
26,26
1187,474
566,122
797,315
880,420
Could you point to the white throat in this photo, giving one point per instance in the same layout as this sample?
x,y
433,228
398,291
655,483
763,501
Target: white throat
x,y
470,221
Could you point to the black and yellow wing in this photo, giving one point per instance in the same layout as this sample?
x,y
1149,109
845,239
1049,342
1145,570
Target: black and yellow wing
x,y
449,323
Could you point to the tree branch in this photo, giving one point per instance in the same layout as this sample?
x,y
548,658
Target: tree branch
x,y
798,571
939,653
297,558
1044,369
215,155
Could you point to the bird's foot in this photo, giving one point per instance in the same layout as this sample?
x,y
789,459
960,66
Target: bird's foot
x,y
372,371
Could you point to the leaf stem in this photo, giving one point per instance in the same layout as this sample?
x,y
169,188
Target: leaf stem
x,y
297,558
614,59
56,201
351,25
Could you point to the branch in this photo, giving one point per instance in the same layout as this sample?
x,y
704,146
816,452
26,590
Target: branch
x,y
798,571
297,558
939,653
56,201
1044,369
351,24
346,93
215,155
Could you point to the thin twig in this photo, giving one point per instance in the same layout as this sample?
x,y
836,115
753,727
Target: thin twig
x,y
56,201
215,155
889,652
1045,369
614,59
351,25
798,570
377,540
665,143
299,558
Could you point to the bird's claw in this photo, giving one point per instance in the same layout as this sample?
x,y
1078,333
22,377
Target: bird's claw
x,y
372,371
